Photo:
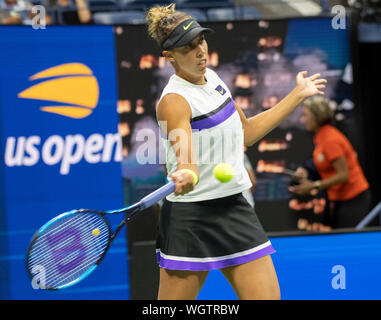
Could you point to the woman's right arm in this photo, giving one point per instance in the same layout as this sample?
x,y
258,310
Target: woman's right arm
x,y
174,115
256,127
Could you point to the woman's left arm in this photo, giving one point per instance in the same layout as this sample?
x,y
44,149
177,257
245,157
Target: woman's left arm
x,y
341,176
258,126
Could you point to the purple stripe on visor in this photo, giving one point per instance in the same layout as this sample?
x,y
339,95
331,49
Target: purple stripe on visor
x,y
214,119
210,265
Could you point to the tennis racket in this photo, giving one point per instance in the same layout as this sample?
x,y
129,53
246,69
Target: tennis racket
x,y
69,247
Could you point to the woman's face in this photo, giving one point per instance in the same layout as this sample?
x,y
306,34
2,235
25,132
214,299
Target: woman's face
x,y
309,120
190,60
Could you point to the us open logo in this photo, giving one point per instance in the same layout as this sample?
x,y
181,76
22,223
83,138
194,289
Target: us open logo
x,y
72,84
71,90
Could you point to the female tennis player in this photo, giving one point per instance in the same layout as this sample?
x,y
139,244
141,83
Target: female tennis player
x,y
207,224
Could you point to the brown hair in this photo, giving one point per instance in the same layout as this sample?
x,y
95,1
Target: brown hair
x,y
162,20
320,109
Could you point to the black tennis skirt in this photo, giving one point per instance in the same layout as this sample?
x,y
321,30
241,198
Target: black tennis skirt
x,y
210,234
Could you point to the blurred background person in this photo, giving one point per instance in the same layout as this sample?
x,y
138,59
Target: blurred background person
x,y
70,12
337,164
14,11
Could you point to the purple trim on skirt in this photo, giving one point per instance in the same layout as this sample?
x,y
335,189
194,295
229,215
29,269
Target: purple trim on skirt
x,y
214,119
210,265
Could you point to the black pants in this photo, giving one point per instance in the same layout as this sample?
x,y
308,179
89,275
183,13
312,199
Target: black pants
x,y
348,213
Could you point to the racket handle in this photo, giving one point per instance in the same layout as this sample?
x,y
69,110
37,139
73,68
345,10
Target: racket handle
x,y
158,194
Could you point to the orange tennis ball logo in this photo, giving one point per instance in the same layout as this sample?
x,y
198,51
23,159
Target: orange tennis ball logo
x,y
71,84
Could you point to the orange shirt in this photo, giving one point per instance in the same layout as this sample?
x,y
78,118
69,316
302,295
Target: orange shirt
x,y
330,144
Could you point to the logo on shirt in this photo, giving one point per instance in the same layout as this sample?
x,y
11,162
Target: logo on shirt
x,y
221,90
320,157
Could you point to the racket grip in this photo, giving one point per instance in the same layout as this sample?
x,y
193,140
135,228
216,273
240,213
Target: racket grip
x,y
158,194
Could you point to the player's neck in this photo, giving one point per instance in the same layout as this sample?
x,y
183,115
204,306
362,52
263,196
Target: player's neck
x,y
199,79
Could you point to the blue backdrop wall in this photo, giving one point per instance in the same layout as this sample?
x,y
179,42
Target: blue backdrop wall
x,y
60,147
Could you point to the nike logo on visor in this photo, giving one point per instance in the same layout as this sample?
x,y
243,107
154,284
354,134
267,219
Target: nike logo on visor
x,y
187,26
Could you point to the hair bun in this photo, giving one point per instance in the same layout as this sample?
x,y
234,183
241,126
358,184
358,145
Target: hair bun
x,y
155,15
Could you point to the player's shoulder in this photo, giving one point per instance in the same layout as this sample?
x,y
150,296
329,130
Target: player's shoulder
x,y
172,104
174,90
172,97
212,73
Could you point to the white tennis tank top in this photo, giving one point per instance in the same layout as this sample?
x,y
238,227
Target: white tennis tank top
x,y
217,137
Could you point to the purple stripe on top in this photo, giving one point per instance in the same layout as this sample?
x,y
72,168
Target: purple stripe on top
x,y
214,119
210,265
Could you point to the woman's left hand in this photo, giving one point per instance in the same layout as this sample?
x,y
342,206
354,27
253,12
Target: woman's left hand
x,y
306,187
309,86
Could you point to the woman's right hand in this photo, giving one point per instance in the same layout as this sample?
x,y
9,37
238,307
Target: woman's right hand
x,y
310,86
184,182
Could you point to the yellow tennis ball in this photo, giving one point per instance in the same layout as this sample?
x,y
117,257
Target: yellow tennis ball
x,y
96,232
223,172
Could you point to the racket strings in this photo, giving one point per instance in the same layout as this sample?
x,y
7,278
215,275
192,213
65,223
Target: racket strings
x,y
68,248
41,245
58,239
92,256
66,258
54,277
72,276
63,222
68,244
